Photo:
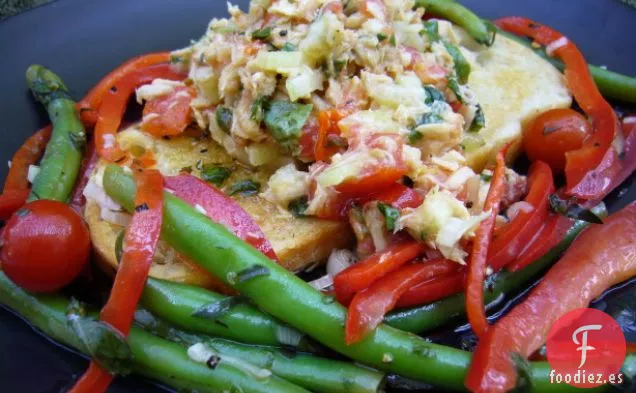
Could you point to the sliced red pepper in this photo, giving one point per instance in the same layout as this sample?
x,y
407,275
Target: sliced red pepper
x,y
583,166
327,126
548,237
364,273
375,179
397,195
478,258
140,244
114,105
515,235
28,154
599,258
221,209
368,307
170,114
11,201
88,166
434,289
91,103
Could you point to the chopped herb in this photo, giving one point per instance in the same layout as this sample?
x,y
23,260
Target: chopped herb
x,y
433,95
339,65
453,85
244,188
262,34
392,40
252,272
431,30
382,37
216,309
215,174
432,117
258,108
119,245
414,136
223,117
284,120
462,66
298,207
572,210
175,59
391,215
479,121
485,177
288,47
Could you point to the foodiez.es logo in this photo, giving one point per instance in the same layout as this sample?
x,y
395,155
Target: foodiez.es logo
x,y
586,348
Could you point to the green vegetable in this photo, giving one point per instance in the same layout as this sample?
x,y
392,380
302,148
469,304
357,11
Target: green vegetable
x,y
453,85
570,209
61,162
288,297
461,65
244,188
216,175
415,136
431,30
392,40
217,308
177,303
613,85
391,215
288,47
432,117
223,117
428,317
482,31
262,34
285,119
297,207
433,95
257,110
308,371
479,121
485,177
153,357
382,37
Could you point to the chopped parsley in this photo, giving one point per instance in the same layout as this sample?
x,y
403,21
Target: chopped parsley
x,y
433,95
382,37
479,121
215,174
298,207
223,117
262,34
284,120
288,47
462,66
244,188
391,215
453,85
258,108
431,30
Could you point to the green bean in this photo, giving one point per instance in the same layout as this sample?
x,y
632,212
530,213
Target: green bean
x,y
176,303
308,371
292,300
154,357
482,31
428,317
612,85
61,162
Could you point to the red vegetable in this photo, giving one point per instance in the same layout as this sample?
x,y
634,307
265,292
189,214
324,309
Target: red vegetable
x,y
599,258
45,246
397,195
515,235
434,289
585,168
11,201
114,105
368,307
478,258
170,114
554,133
28,154
86,170
140,244
364,273
327,126
221,209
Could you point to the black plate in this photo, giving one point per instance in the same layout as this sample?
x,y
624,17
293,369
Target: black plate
x,y
83,40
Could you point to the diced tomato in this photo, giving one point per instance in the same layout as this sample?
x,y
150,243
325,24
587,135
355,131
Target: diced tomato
x,y
397,195
328,127
168,114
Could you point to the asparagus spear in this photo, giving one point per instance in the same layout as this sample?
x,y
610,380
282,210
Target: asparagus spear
x,y
482,31
62,158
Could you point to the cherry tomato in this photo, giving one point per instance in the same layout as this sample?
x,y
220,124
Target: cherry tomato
x,y
44,246
554,133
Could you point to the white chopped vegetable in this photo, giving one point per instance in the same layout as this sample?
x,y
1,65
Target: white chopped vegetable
x,y
376,222
324,34
557,44
286,185
629,120
288,336
339,260
200,209
369,122
95,192
159,87
453,230
459,178
283,63
115,217
322,283
202,353
303,83
517,207
405,90
33,172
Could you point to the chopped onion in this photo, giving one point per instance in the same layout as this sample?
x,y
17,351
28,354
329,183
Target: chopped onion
x,y
561,42
288,336
95,192
33,172
472,190
629,120
459,178
322,283
117,218
339,260
377,226
515,208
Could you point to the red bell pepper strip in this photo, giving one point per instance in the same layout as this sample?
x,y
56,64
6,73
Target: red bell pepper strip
x,y
514,236
375,179
364,273
11,201
170,114
91,103
627,159
327,125
140,244
28,154
548,237
435,289
114,105
368,307
583,165
397,195
479,256
602,256
221,209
